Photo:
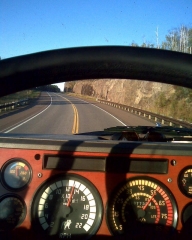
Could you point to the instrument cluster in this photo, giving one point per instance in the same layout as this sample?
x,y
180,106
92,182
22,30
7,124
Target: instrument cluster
x,y
49,198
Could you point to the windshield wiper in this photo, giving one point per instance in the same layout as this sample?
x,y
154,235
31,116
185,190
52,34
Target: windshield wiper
x,y
148,133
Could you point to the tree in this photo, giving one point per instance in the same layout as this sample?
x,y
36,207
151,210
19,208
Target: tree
x,y
179,39
48,88
134,44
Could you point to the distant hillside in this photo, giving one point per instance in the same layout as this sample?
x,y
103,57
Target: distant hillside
x,y
160,98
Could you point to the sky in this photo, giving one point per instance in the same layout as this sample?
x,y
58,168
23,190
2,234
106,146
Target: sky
x,y
39,25
61,86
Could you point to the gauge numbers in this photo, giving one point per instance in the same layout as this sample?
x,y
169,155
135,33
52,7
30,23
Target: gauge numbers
x,y
185,181
67,206
140,206
16,174
12,212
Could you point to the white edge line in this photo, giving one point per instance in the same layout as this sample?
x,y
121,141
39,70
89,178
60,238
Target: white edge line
x,y
101,109
30,118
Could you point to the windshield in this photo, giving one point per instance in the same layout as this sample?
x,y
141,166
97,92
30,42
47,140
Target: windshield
x,y
95,140
95,104
34,26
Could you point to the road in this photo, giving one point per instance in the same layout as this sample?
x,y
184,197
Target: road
x,y
56,113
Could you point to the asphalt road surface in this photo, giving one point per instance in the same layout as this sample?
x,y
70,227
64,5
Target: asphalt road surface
x,y
56,113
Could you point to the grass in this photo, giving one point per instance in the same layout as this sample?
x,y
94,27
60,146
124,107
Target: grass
x,y
177,105
30,94
82,96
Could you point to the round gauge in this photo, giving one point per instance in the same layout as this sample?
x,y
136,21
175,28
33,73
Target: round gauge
x,y
186,218
67,206
142,206
185,181
16,174
187,213
12,212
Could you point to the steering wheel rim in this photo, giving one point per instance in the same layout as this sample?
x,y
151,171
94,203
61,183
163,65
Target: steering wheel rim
x,y
114,62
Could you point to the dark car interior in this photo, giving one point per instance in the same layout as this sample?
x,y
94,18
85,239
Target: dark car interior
x,y
85,185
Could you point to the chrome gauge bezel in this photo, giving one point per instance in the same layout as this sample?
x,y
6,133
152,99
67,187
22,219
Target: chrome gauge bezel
x,y
3,172
186,214
180,183
10,225
41,222
110,217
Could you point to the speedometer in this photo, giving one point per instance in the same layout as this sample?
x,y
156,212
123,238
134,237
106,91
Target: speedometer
x,y
67,206
142,206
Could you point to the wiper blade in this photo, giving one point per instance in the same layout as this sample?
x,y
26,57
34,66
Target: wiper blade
x,y
144,129
149,133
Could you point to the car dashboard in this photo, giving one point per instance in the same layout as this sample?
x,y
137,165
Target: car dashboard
x,y
83,186
80,186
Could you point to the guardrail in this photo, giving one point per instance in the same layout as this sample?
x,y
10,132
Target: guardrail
x,y
151,116
12,105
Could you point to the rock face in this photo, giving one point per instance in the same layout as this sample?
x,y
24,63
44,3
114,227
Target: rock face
x,y
140,94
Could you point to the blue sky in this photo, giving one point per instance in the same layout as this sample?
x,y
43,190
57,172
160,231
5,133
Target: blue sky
x,y
32,26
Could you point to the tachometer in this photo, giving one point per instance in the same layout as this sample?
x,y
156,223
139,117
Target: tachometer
x,y
142,206
67,206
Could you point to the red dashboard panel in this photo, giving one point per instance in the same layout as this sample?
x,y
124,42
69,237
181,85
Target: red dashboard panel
x,y
105,182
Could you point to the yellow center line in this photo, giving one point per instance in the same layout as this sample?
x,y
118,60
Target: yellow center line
x,y
75,128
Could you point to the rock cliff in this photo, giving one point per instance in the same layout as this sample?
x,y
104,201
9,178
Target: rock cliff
x,y
140,94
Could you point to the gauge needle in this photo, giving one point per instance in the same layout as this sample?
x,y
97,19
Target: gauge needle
x,y
147,203
16,171
70,197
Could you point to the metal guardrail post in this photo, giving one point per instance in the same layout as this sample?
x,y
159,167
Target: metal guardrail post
x,y
150,115
13,105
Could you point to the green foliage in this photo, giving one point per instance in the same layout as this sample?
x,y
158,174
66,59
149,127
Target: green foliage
x,y
49,88
134,44
177,39
161,101
32,93
190,37
183,93
178,105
